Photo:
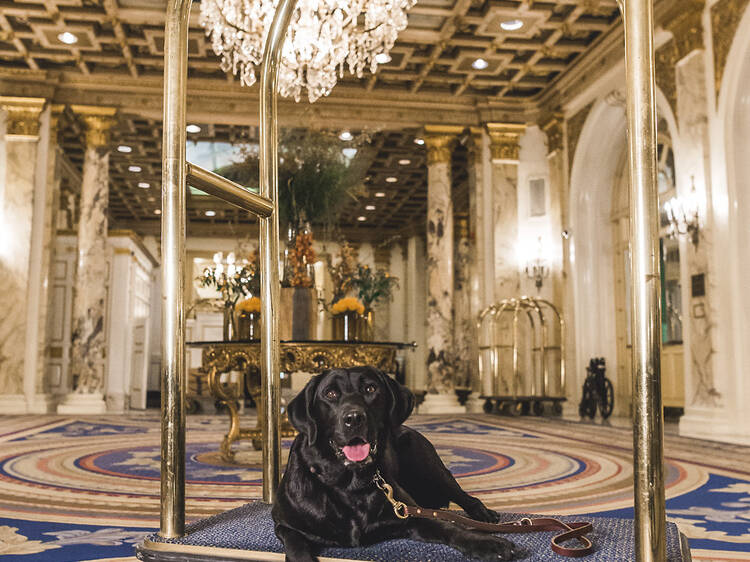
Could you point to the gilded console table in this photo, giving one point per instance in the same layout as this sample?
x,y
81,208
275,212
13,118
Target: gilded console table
x,y
307,356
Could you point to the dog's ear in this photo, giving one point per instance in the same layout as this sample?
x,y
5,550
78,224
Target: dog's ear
x,y
401,398
299,410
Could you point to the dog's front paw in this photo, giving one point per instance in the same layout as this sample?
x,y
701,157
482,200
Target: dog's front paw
x,y
492,548
480,512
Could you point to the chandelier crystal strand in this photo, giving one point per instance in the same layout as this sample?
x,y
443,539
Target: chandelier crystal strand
x,y
325,38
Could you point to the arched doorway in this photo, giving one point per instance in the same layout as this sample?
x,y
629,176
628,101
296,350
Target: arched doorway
x,y
600,257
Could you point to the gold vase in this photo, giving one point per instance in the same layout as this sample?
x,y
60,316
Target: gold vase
x,y
248,325
346,326
366,326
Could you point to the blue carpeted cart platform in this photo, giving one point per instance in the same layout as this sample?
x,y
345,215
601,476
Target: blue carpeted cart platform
x,y
246,533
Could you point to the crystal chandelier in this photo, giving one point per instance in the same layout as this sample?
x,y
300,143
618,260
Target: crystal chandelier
x,y
323,38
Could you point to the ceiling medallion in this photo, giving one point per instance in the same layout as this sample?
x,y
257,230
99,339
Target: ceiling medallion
x,y
324,37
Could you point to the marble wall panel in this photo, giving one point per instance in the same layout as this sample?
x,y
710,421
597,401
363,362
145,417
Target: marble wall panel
x,y
16,212
505,201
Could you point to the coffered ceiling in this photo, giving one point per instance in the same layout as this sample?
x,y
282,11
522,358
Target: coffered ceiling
x,y
119,48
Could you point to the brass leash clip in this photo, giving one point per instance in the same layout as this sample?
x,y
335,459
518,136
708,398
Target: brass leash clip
x,y
399,508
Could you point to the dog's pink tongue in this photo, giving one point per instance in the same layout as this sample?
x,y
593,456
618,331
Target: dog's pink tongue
x,y
357,453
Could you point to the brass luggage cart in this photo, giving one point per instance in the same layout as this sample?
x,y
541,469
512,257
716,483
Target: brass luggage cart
x,y
522,357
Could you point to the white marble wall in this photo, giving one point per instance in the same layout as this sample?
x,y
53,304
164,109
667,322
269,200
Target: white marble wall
x,y
505,202
90,296
16,213
440,279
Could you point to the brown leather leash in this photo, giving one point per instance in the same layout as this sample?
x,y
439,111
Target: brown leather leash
x,y
574,530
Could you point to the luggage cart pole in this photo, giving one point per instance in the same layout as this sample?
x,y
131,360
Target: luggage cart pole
x,y
173,382
648,431
269,252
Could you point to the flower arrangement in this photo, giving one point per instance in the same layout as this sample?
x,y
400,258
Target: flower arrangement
x,y
300,258
342,273
251,305
233,280
347,304
373,287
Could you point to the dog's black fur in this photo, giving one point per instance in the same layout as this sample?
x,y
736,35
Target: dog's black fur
x,y
327,499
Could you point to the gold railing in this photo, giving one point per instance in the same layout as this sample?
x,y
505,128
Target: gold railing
x,y
177,173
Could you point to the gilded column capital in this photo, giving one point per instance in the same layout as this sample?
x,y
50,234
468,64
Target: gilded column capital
x,y
22,116
56,112
685,21
98,121
439,140
505,141
553,128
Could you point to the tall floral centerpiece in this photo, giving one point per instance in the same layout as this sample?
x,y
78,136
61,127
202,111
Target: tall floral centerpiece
x,y
233,280
347,314
315,179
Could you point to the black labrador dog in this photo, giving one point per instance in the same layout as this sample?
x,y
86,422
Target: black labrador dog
x,y
349,423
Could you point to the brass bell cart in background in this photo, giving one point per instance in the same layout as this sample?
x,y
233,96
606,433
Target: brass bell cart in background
x,y
522,357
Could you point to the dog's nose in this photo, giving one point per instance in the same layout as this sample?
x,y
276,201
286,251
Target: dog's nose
x,y
354,418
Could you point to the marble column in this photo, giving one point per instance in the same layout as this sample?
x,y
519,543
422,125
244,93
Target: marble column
x,y
92,269
441,382
504,149
464,329
18,177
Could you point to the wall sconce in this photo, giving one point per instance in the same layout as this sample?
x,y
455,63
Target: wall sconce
x,y
683,214
538,269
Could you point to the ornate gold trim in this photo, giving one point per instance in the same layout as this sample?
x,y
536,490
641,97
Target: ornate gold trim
x,y
666,58
22,116
505,141
685,21
553,128
725,18
98,120
574,127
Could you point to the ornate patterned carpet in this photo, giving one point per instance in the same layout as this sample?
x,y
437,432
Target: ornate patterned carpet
x,y
74,489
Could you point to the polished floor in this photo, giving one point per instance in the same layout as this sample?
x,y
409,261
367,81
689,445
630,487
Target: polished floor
x,y
76,488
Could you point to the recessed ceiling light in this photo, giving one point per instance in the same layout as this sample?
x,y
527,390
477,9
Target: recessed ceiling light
x,y
361,219
125,148
419,141
134,169
157,211
369,207
210,213
380,194
511,25
151,199
144,184
480,64
404,161
349,152
193,129
346,136
382,58
391,179
68,38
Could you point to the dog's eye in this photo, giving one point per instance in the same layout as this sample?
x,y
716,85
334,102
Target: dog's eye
x,y
370,388
332,394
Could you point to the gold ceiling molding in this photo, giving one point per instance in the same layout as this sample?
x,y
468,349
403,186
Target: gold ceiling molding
x,y
553,128
685,21
666,58
22,116
725,17
505,141
99,120
575,126
439,141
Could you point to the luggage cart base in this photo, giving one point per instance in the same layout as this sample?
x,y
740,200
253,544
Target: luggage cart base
x,y
524,405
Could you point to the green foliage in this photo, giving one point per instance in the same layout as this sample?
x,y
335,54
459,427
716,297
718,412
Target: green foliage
x,y
315,179
373,287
